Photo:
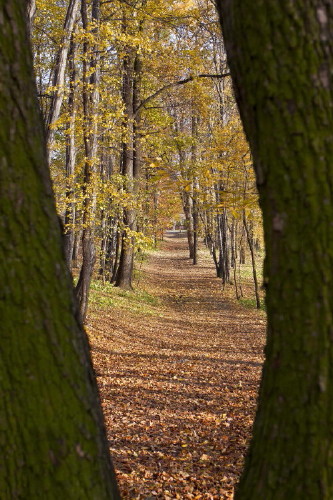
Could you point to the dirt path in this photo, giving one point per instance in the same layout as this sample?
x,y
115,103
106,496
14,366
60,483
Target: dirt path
x,y
179,384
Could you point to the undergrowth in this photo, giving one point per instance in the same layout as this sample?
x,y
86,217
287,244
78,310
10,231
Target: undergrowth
x,y
106,295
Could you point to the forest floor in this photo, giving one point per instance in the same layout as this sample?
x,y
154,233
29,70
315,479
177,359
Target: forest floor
x,y
178,364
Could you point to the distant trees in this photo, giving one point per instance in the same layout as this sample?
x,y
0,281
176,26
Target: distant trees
x,y
141,125
53,442
280,56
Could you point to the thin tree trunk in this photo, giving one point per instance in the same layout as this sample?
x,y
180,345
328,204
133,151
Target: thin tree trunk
x,y
31,11
188,212
117,256
76,247
105,228
281,58
132,158
253,260
90,107
104,245
110,249
242,254
226,247
125,268
137,150
237,288
233,242
195,208
59,71
224,258
70,162
53,441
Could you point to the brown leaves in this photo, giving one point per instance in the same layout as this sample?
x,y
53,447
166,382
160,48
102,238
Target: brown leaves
x,y
179,391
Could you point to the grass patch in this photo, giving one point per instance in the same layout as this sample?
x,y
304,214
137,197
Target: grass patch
x,y
106,296
246,270
252,304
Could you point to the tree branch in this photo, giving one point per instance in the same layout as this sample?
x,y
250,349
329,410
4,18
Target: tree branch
x,y
174,84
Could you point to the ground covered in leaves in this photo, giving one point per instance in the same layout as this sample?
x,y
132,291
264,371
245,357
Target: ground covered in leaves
x,y
178,364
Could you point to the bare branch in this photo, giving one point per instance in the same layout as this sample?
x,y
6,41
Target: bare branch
x,y
174,84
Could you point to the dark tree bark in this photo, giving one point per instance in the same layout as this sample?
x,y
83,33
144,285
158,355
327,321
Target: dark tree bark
x,y
90,98
253,260
188,212
195,207
53,442
187,201
280,56
223,244
131,156
126,260
108,224
69,233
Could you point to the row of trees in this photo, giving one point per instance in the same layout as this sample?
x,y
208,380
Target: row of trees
x,y
141,124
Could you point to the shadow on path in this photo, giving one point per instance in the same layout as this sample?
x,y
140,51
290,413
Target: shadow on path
x,y
179,388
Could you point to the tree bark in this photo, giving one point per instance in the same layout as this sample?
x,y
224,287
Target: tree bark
x,y
90,97
224,258
132,154
188,212
195,207
59,71
253,260
280,56
31,11
126,260
132,163
53,442
69,233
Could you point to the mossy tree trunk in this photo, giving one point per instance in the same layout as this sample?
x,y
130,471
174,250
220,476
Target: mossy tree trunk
x,y
53,442
281,58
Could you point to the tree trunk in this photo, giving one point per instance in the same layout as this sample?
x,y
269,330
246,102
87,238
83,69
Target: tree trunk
x,y
253,260
132,157
53,442
189,226
126,263
109,261
188,213
242,255
76,247
31,11
195,207
70,161
59,71
224,258
280,56
90,97
116,257
125,268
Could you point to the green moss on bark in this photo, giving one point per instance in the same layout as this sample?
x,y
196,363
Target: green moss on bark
x,y
52,437
280,55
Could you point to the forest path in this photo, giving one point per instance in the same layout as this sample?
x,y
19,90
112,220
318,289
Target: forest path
x,y
178,380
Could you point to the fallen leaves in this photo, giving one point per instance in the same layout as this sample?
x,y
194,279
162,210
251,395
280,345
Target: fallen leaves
x,y
178,388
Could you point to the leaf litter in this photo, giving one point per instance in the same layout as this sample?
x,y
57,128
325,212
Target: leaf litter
x,y
178,386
